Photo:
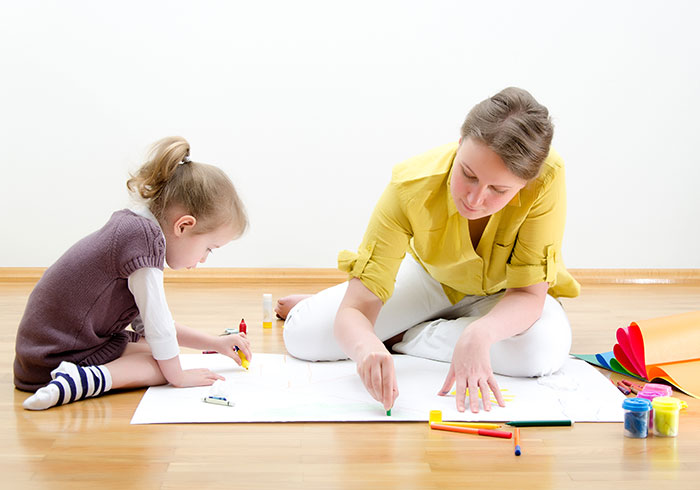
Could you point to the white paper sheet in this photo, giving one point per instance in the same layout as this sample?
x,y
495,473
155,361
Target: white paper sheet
x,y
279,388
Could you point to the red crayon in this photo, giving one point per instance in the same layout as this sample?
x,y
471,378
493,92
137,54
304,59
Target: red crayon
x,y
243,328
623,388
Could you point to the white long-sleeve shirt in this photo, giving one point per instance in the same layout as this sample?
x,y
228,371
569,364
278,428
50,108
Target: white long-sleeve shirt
x,y
146,285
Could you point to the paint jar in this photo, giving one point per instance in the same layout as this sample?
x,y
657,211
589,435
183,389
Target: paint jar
x,y
267,311
651,391
636,417
666,414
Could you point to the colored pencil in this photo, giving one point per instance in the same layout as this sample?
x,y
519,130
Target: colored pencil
x,y
473,425
540,423
468,430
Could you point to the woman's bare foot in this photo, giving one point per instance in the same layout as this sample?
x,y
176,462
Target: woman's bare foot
x,y
287,303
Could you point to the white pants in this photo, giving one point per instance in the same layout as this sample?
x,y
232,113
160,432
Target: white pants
x,y
432,324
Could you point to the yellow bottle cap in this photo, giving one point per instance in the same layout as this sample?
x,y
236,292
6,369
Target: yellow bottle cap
x,y
667,403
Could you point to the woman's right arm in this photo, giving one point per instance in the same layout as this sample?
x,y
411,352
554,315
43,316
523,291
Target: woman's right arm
x,y
354,330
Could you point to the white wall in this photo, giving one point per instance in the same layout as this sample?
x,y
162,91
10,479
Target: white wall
x,y
308,104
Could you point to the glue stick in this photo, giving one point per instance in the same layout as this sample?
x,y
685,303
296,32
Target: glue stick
x,y
267,311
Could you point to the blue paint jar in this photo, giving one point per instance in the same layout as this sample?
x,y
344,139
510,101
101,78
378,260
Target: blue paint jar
x,y
636,417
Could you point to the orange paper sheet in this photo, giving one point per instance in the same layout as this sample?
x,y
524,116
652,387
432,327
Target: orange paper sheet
x,y
666,347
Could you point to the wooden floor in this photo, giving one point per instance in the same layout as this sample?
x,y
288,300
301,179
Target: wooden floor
x,y
91,444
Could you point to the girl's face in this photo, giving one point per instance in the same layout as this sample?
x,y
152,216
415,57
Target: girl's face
x,y
185,249
481,185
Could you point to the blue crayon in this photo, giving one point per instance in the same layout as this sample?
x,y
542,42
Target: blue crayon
x,y
218,400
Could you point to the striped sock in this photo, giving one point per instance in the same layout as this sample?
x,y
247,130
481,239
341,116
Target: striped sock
x,y
70,383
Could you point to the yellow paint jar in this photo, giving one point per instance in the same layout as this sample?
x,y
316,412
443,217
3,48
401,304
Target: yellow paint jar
x,y
666,414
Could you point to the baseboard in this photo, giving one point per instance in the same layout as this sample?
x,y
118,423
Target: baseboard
x,y
236,275
637,276
333,276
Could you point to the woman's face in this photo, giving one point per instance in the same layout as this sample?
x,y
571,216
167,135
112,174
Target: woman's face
x,y
481,185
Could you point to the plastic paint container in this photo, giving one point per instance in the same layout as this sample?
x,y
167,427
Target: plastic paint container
x,y
666,414
651,391
636,417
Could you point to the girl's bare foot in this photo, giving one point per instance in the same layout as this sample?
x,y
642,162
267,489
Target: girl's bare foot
x,y
287,303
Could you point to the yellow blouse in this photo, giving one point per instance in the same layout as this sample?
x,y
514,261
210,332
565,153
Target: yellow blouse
x,y
520,246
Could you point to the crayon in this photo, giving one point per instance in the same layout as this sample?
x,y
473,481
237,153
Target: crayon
x,y
388,412
242,327
244,361
217,400
633,387
625,391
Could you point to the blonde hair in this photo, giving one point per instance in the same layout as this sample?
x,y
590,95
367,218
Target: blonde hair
x,y
516,127
170,178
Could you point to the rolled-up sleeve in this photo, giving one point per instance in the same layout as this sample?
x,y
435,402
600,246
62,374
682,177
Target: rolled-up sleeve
x,y
383,247
536,255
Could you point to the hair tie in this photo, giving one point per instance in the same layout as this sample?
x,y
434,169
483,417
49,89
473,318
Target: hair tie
x,y
185,159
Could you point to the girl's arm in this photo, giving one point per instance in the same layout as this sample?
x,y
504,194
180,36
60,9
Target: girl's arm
x,y
225,344
163,334
471,363
183,378
354,330
189,337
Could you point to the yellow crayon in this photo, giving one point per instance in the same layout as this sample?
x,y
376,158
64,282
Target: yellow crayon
x,y
244,362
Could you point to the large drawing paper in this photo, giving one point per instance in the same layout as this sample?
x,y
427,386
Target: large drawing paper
x,y
279,388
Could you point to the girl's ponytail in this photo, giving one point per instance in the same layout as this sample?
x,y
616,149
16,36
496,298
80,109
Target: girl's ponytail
x,y
164,159
170,178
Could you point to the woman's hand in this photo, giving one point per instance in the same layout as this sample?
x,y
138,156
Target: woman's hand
x,y
471,369
354,330
226,345
376,370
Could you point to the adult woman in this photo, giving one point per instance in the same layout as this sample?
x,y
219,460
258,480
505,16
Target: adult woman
x,y
483,222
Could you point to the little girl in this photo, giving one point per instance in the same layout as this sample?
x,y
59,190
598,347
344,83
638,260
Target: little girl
x,y
72,342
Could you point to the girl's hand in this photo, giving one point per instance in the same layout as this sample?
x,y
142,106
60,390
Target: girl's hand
x,y
196,377
227,344
376,369
471,369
